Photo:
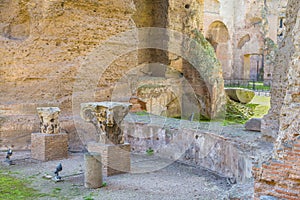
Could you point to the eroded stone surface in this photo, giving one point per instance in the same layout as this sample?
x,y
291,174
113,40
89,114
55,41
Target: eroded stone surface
x,y
115,159
44,43
107,118
240,95
49,119
161,97
228,151
93,170
279,175
253,124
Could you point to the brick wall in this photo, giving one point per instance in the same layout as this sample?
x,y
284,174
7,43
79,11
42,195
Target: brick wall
x,y
280,176
49,146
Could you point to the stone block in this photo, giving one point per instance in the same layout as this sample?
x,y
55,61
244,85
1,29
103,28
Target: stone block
x,y
115,158
240,95
46,147
253,124
93,170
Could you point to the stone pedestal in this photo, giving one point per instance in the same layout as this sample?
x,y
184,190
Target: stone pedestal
x,y
46,147
93,170
115,159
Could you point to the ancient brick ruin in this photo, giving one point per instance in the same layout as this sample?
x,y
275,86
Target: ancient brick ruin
x,y
107,118
237,31
280,175
49,143
48,48
52,48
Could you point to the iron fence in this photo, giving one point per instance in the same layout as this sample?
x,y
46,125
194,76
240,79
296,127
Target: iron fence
x,y
258,86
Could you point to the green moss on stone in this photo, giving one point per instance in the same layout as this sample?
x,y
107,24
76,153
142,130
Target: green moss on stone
x,y
208,48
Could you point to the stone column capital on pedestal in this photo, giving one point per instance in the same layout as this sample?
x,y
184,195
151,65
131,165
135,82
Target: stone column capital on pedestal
x,y
107,118
49,144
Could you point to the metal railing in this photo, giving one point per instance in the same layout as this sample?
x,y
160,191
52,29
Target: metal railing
x,y
258,86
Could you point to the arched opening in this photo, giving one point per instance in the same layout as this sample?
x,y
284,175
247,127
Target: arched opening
x,y
218,36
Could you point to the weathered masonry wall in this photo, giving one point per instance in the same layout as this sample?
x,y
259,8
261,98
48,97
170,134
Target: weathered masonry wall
x,y
282,79
240,31
225,155
43,45
279,176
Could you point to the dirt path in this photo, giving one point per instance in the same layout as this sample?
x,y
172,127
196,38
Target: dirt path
x,y
175,181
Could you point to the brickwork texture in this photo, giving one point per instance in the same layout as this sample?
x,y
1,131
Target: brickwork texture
x,y
46,147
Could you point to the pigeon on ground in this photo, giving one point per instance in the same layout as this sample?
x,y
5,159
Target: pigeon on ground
x,y
58,169
8,155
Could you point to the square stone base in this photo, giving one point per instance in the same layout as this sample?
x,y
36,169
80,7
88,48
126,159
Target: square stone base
x,y
46,147
115,158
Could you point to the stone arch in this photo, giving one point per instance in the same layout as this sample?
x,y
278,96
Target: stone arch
x,y
218,36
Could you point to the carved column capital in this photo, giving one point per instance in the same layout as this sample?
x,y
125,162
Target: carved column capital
x,y
49,119
107,118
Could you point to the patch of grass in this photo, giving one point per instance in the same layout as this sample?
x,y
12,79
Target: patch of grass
x,y
257,85
229,122
260,111
34,176
56,190
240,113
262,106
150,151
237,112
262,100
12,188
142,113
89,197
12,172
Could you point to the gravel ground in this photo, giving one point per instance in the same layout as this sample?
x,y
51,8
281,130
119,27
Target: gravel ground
x,y
153,179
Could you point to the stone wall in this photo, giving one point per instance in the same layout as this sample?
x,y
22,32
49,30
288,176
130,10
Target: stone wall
x,y
199,145
279,176
287,48
42,45
248,25
45,44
